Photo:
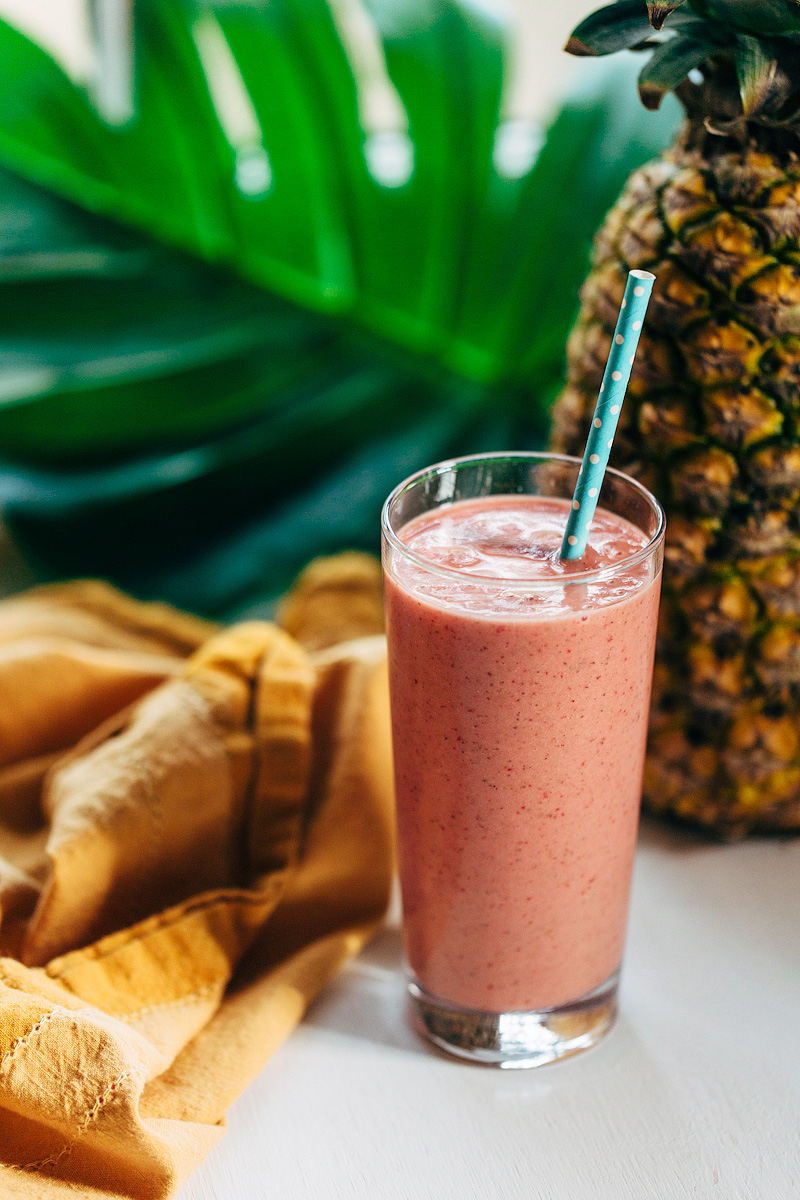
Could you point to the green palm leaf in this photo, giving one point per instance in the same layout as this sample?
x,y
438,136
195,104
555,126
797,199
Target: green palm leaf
x,y
282,266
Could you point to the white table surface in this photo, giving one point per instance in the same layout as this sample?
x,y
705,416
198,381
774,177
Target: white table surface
x,y
695,1093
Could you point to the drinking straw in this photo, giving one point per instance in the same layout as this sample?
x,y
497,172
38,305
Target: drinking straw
x,y
606,413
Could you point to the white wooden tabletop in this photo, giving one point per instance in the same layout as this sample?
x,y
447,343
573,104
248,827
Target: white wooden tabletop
x,y
695,1094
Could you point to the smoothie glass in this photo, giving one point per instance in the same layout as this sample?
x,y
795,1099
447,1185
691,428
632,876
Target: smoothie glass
x,y
519,715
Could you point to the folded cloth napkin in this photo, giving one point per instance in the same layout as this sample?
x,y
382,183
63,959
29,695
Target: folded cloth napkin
x,y
195,833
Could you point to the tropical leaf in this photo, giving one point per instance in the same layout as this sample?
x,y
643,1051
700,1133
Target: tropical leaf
x,y
43,238
153,543
412,178
669,64
322,230
365,266
151,172
110,344
520,287
756,70
659,10
615,27
762,18
289,227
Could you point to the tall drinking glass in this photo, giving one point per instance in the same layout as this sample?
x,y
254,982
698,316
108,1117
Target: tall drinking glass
x,y
520,689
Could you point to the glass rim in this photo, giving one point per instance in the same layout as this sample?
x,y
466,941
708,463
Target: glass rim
x,y
517,584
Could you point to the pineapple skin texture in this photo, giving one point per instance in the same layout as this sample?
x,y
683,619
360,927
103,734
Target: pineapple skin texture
x,y
711,425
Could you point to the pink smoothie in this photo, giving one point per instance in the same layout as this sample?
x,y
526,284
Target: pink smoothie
x,y
519,734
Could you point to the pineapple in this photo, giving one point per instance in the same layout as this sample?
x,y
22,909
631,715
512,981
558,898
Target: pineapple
x,y
712,419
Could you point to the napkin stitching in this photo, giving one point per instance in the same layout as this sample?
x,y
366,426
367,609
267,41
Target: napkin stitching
x,y
99,1103
196,995
51,1161
24,1038
91,1115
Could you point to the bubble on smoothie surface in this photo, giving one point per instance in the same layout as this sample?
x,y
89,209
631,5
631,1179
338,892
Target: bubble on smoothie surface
x,y
511,537
514,538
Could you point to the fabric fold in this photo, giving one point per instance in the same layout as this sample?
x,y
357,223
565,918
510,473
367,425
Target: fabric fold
x,y
182,878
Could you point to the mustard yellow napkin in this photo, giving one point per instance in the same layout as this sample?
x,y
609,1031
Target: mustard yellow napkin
x,y
195,833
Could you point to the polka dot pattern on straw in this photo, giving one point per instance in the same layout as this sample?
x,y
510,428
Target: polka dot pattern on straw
x,y
606,413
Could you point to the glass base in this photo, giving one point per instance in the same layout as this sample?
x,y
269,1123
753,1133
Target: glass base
x,y
515,1039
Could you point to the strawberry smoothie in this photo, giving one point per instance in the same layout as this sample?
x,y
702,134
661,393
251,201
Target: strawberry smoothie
x,y
520,717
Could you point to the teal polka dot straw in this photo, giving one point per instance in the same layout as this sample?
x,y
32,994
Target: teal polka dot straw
x,y
606,413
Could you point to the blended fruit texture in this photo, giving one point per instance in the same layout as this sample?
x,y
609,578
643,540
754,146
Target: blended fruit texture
x,y
520,719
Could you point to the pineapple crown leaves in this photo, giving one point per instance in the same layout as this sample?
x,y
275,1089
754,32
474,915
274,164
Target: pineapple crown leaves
x,y
732,61
658,11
